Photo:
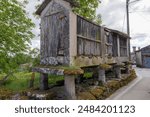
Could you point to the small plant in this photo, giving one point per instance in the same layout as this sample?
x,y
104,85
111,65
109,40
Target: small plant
x,y
88,75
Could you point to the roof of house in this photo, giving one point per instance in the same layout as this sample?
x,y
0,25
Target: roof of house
x,y
146,47
46,2
118,32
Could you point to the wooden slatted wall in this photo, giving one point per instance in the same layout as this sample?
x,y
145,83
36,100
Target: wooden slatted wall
x,y
88,38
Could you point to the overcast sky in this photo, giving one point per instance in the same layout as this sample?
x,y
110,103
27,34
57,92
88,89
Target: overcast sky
x,y
114,16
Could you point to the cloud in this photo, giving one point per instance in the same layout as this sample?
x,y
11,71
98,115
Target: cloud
x,y
36,31
112,13
140,36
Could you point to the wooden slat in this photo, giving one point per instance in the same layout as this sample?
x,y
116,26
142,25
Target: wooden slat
x,y
88,34
89,39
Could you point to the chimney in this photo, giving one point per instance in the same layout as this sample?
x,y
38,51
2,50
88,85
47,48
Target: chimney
x,y
139,48
134,48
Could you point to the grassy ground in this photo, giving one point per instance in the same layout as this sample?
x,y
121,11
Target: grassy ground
x,y
20,81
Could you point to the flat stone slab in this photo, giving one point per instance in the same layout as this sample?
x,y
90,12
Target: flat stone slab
x,y
58,70
48,71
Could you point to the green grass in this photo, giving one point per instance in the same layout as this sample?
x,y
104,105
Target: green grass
x,y
88,74
20,81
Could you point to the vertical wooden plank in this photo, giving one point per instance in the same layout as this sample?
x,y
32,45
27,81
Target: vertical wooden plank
x,y
92,48
78,25
80,46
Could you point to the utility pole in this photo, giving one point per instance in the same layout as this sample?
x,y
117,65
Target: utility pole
x,y
128,23
128,26
127,11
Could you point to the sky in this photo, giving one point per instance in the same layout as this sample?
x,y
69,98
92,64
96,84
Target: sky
x,y
113,14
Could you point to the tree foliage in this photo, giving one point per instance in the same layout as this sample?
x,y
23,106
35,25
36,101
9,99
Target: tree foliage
x,y
87,9
15,33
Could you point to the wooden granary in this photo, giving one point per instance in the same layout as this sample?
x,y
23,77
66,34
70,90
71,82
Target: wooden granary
x,y
69,41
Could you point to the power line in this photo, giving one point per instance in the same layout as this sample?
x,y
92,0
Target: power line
x,y
134,1
142,16
124,21
128,2
138,11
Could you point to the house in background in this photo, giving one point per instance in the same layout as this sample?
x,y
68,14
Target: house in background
x,y
133,55
143,57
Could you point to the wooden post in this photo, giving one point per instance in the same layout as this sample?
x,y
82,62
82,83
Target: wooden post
x,y
31,82
101,75
43,81
118,43
70,86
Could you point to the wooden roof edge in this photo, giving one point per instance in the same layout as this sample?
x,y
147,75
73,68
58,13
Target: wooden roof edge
x,y
117,31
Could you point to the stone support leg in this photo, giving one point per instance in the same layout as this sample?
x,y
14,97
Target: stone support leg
x,y
127,69
43,81
101,75
118,72
70,87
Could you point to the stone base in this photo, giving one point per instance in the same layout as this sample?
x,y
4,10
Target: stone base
x,y
43,81
101,75
70,87
117,72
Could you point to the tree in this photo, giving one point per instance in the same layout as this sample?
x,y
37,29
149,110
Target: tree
x,y
15,33
35,56
87,9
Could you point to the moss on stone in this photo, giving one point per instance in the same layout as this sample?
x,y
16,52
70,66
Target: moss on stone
x,y
97,92
85,96
70,70
105,66
113,85
5,94
73,71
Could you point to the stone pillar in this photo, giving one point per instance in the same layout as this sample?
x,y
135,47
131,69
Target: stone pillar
x,y
127,69
43,81
118,71
101,75
70,86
